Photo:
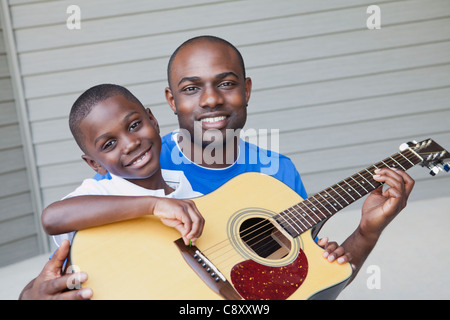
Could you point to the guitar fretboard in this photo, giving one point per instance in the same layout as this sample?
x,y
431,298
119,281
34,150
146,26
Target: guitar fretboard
x,y
321,206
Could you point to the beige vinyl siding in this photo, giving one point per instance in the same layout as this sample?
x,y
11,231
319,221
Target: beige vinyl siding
x,y
18,228
342,96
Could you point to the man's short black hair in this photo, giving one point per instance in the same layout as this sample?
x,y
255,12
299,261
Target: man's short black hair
x,y
87,100
200,38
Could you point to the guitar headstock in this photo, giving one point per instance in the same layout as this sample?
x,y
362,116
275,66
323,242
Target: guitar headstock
x,y
433,155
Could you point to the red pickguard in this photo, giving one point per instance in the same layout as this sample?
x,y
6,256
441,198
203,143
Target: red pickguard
x,y
255,281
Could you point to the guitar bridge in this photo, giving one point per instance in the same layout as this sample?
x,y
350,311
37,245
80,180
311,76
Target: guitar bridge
x,y
206,270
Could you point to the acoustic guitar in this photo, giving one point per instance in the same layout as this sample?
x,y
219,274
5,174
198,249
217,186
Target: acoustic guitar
x,y
257,242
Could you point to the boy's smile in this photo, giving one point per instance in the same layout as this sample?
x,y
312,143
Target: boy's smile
x,y
123,138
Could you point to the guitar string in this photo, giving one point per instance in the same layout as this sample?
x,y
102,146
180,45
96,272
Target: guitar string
x,y
308,199
291,217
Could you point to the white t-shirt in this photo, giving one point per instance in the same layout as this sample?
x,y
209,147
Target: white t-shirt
x,y
120,187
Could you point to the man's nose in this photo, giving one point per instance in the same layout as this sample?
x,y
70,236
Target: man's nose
x,y
211,97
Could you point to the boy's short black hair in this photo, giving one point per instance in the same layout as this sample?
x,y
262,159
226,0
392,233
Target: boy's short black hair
x,y
210,39
87,100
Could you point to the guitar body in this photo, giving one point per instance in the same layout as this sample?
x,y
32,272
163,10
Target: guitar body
x,y
139,259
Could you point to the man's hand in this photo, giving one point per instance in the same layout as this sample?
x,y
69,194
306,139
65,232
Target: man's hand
x,y
50,284
381,207
334,252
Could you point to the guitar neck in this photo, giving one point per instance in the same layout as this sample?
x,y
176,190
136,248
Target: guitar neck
x,y
321,206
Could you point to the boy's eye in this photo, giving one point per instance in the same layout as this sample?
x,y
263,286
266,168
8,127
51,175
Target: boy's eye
x,y
135,125
109,144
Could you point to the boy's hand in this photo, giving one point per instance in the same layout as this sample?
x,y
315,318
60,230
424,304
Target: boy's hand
x,y
181,215
333,251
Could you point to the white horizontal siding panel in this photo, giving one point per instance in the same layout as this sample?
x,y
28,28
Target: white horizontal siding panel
x,y
10,136
80,80
45,108
352,88
8,113
351,65
54,12
2,44
4,70
316,116
345,43
13,183
56,152
73,172
6,93
157,46
19,250
227,13
12,160
356,133
15,206
16,229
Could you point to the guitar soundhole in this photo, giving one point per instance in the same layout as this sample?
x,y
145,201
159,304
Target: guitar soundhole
x,y
263,239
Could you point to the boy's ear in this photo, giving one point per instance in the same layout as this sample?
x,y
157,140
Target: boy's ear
x,y
153,119
170,99
94,165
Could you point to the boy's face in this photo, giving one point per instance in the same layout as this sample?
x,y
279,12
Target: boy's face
x,y
208,89
123,138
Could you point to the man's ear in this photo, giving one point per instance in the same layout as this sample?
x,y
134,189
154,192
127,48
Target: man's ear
x,y
153,119
94,165
170,99
248,88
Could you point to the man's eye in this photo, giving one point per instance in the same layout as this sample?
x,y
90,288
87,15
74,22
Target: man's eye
x,y
226,84
190,89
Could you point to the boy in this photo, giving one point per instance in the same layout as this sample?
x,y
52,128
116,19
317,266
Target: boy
x,y
118,135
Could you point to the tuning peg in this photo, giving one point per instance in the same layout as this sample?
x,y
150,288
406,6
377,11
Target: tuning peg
x,y
434,171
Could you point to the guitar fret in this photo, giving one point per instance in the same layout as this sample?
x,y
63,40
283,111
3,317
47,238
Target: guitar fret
x,y
301,216
367,180
407,159
352,188
359,184
314,209
305,215
339,195
293,231
398,163
331,206
335,201
345,191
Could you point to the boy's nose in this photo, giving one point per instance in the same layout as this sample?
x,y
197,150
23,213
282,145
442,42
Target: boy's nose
x,y
211,97
131,144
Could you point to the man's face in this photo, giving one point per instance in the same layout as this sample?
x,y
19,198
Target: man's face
x,y
123,138
208,90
